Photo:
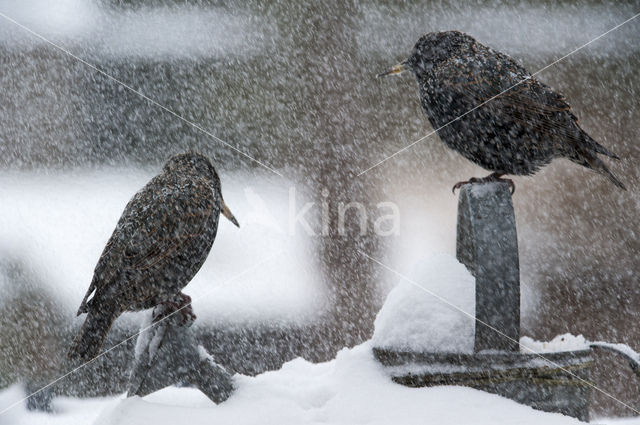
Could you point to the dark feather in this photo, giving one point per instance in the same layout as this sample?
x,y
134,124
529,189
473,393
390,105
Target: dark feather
x,y
491,110
160,242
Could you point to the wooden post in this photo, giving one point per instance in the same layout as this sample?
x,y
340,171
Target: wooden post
x,y
168,354
488,245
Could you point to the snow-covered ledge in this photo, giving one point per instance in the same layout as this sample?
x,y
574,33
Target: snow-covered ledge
x,y
457,321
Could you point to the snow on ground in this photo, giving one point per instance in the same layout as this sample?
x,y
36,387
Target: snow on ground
x,y
352,389
414,319
57,225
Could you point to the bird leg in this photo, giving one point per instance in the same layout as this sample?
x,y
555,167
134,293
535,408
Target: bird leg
x,y
493,177
180,303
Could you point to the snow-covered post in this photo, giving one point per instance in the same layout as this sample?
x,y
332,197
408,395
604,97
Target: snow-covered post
x,y
422,347
167,354
487,244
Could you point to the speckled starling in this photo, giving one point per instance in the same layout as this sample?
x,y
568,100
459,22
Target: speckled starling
x,y
515,132
161,240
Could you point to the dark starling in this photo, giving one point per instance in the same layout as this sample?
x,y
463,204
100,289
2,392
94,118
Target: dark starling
x,y
515,132
160,242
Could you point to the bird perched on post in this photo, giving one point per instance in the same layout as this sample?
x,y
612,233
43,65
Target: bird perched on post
x,y
492,111
160,242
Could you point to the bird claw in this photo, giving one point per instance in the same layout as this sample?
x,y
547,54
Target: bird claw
x,y
462,183
512,185
490,178
188,316
180,304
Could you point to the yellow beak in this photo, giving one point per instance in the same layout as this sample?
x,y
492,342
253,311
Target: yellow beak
x,y
395,70
227,213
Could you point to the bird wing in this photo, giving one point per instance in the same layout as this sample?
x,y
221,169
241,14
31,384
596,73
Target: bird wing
x,y
167,224
506,87
157,222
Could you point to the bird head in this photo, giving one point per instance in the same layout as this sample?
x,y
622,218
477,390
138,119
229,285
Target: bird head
x,y
430,50
199,165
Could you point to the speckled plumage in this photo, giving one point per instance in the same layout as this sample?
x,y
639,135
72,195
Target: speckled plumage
x,y
516,132
160,242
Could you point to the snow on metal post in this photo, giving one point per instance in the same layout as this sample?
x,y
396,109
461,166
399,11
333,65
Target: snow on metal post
x,y
487,244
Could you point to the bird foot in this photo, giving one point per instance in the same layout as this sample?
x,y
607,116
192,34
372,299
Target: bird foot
x,y
179,305
494,177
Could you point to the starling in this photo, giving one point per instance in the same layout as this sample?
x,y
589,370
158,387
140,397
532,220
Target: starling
x,y
160,242
522,126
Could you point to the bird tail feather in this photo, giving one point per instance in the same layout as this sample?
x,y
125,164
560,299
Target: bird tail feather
x,y
604,151
91,336
597,165
589,144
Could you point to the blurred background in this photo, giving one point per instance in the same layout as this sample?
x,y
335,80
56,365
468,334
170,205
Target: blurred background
x,y
292,84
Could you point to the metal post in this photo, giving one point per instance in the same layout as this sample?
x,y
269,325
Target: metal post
x,y
487,244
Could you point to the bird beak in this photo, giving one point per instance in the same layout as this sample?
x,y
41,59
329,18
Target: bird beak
x,y
227,213
395,70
